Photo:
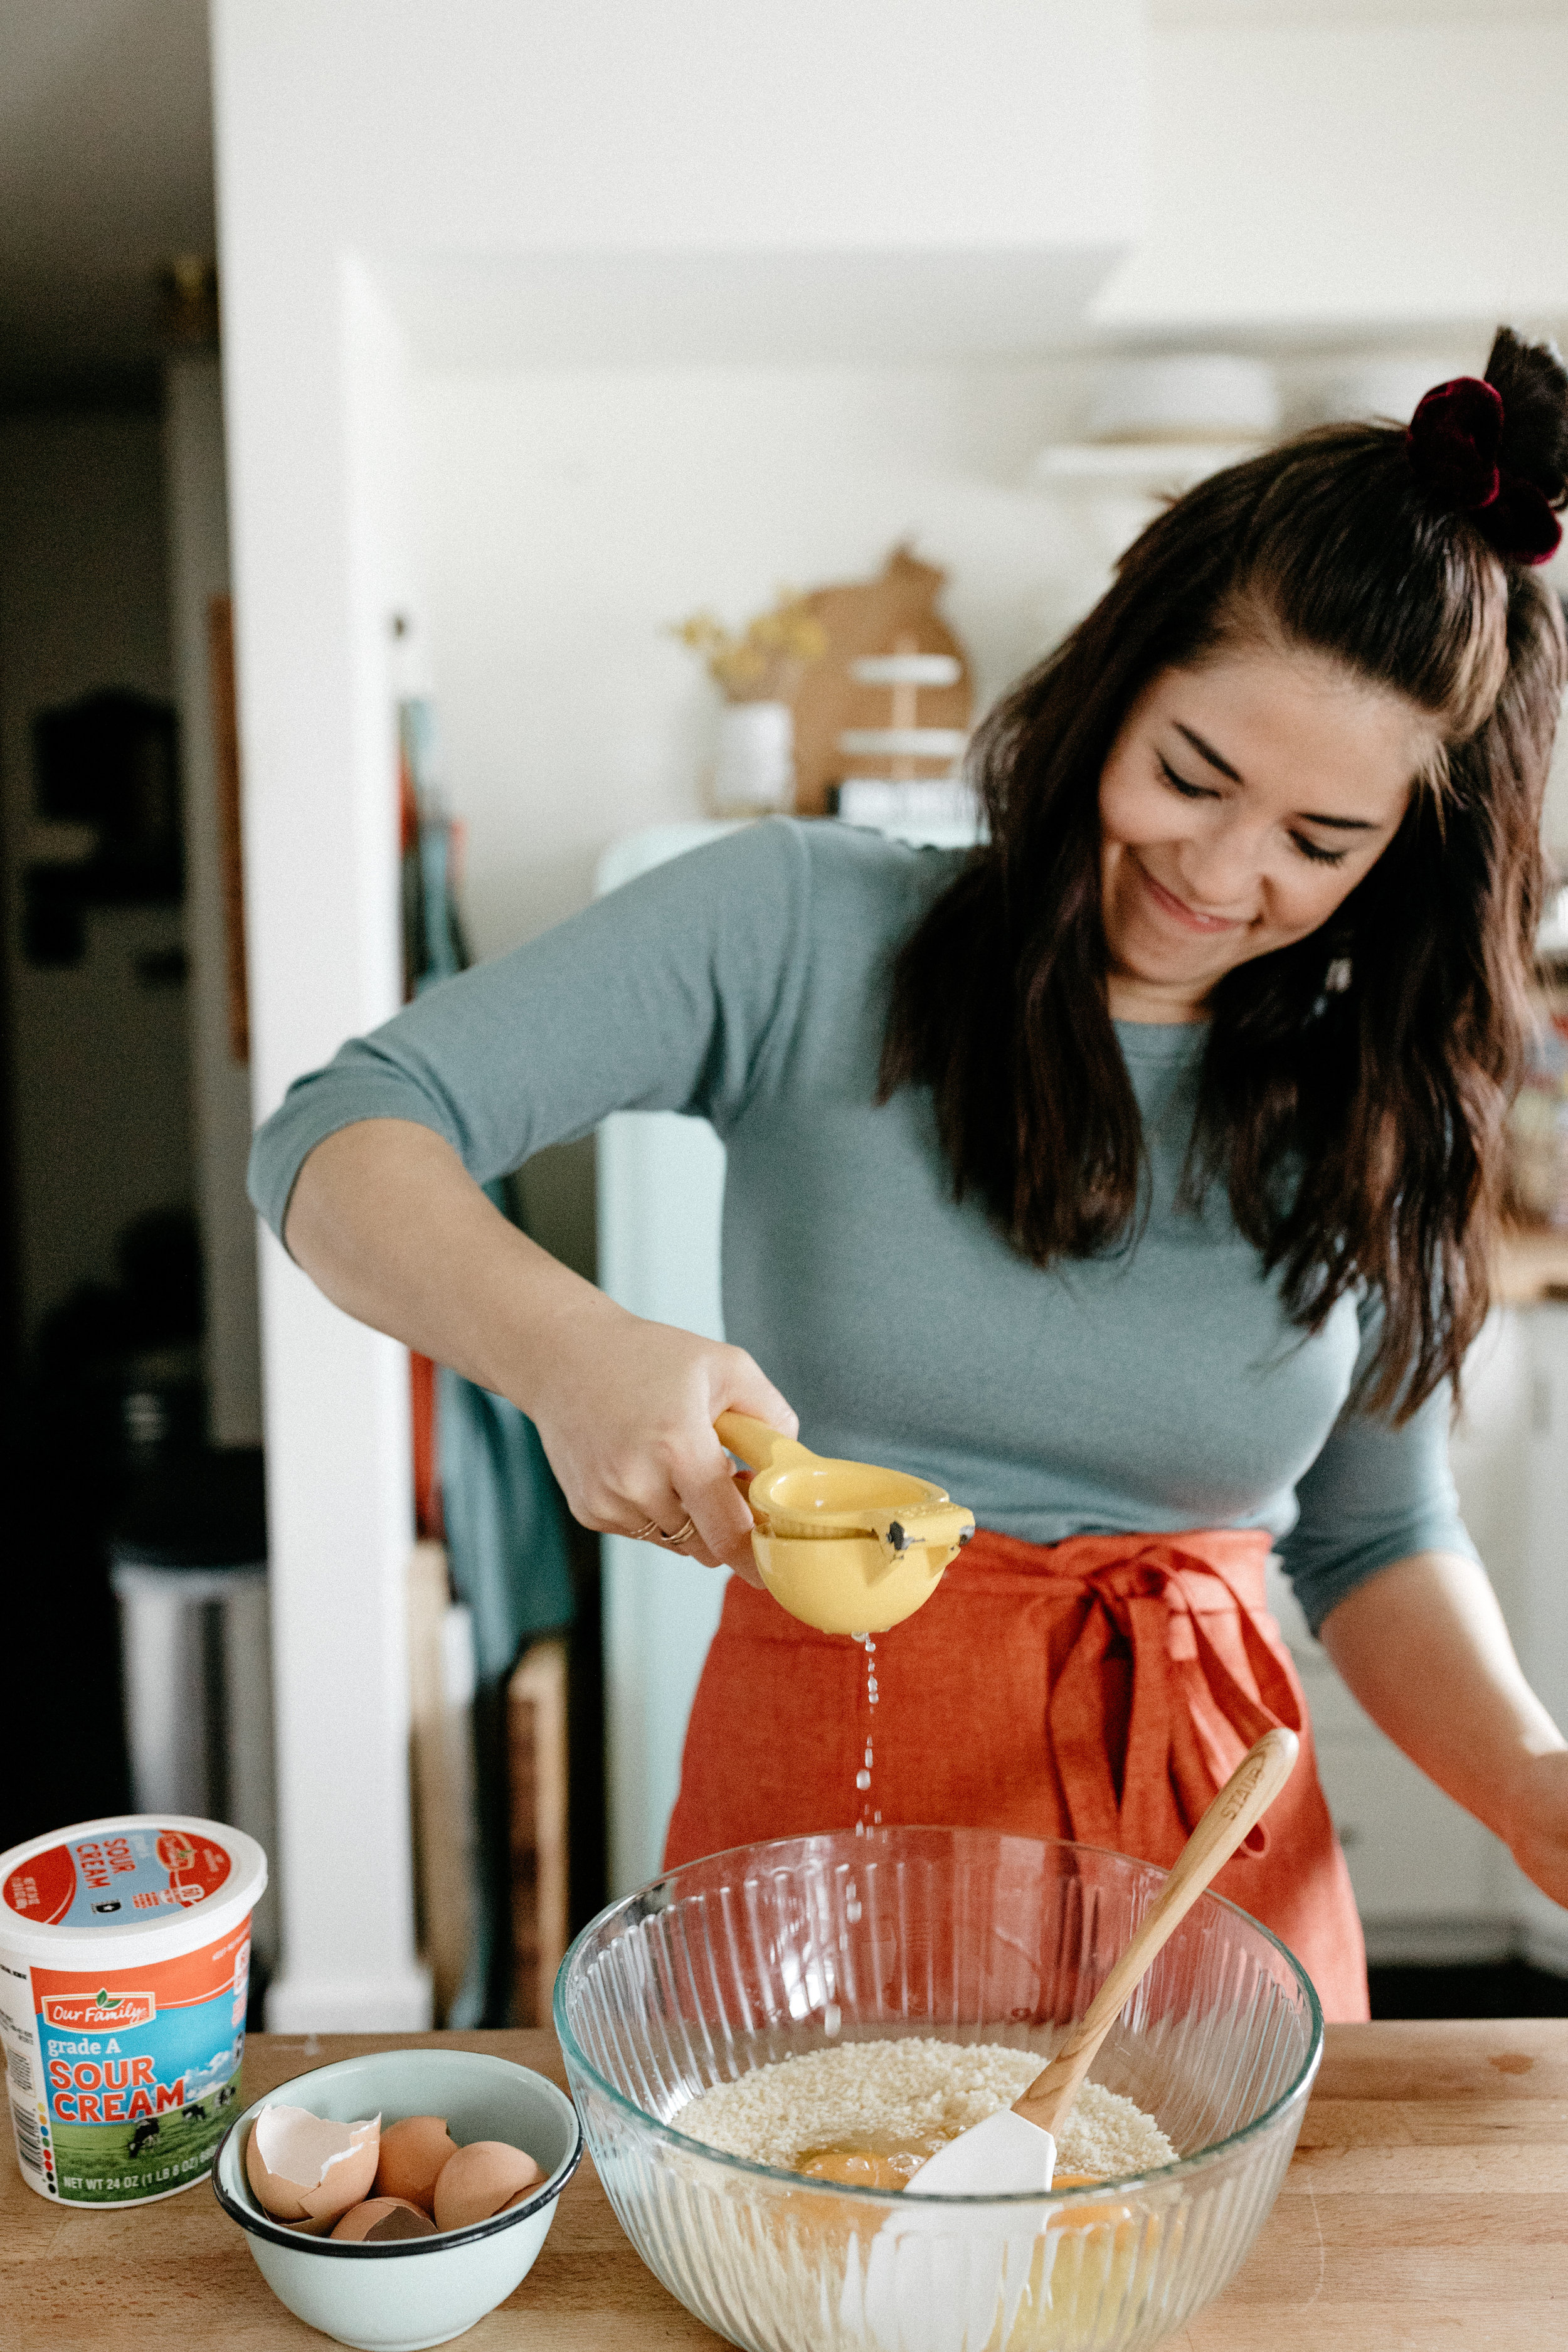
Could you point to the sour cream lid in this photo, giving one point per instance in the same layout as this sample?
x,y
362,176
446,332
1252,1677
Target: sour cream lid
x,y
147,1884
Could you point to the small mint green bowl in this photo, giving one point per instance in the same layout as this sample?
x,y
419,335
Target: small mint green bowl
x,y
414,2291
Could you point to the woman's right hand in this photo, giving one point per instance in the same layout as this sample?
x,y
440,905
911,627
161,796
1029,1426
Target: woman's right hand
x,y
626,1417
387,1220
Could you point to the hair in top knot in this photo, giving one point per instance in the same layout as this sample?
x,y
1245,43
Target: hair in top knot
x,y
1497,462
1532,384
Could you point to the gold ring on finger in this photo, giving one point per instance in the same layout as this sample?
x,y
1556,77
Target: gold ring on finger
x,y
683,1534
650,1532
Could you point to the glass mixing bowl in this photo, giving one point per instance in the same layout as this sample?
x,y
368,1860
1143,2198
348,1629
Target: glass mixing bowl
x,y
965,1935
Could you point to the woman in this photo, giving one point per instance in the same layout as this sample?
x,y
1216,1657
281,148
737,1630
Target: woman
x,y
1133,1176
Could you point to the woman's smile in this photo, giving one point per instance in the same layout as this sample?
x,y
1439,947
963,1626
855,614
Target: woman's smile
x,y
1176,910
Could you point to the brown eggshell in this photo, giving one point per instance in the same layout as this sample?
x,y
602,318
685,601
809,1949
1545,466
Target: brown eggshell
x,y
479,2180
275,2197
314,2203
412,2153
347,2182
365,2221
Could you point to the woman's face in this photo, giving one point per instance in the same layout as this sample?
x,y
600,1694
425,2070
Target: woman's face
x,y
1240,804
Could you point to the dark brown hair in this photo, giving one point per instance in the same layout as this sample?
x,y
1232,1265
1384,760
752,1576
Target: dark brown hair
x,y
1357,1128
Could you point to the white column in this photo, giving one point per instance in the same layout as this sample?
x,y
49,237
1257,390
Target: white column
x,y
316,382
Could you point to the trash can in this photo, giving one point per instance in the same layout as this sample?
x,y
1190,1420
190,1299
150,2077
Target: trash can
x,y
188,1564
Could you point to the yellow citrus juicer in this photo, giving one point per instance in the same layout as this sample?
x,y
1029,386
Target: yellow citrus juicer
x,y
843,1545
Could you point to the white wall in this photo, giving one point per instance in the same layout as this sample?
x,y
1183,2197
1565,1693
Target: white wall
x,y
100,1099
568,517
479,133
1353,174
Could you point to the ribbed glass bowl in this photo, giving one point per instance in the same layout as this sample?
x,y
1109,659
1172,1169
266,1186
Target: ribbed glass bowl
x,y
965,1935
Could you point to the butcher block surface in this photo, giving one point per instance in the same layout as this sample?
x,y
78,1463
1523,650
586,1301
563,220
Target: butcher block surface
x,y
1427,2210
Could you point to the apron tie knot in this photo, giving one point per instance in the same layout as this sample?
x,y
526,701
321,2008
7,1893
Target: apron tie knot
x,y
1190,1718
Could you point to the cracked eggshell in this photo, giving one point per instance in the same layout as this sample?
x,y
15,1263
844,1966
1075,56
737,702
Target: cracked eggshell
x,y
481,2179
370,2219
412,2154
304,2168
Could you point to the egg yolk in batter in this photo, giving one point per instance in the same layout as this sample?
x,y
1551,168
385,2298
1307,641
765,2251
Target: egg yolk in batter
x,y
894,2164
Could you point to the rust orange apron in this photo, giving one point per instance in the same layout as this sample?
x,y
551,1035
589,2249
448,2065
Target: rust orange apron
x,y
1101,1689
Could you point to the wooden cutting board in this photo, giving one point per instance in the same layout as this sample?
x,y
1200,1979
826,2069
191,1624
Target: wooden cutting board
x,y
1426,2212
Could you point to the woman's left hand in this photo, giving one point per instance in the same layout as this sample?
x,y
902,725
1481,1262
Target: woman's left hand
x,y
1537,1823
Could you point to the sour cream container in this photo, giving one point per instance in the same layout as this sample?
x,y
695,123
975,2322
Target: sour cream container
x,y
124,1955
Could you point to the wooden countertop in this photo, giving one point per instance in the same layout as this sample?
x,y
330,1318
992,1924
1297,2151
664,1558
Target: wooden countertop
x,y
1425,2208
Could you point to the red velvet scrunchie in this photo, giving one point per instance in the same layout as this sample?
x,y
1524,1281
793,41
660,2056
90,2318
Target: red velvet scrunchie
x,y
1453,441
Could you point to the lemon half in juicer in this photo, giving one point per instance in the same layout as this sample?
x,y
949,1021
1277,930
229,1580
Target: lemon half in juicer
x,y
843,1546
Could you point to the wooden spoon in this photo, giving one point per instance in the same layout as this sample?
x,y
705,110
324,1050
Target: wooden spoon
x,y
1016,2149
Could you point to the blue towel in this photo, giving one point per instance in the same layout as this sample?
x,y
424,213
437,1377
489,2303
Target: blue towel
x,y
505,1538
